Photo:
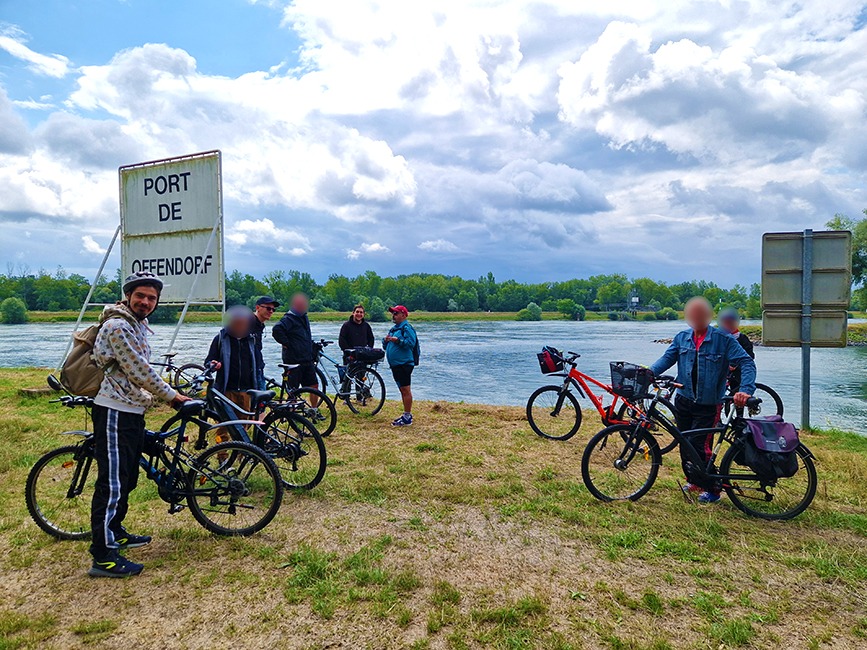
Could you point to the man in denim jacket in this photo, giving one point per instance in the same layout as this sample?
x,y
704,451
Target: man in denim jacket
x,y
703,355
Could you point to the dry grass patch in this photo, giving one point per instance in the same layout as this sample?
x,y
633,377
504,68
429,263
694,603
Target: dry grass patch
x,y
464,531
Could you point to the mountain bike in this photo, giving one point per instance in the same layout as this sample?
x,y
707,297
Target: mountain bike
x,y
555,413
323,415
622,462
357,383
178,377
231,489
285,434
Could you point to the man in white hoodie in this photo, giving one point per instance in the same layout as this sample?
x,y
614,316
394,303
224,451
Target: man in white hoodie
x,y
126,392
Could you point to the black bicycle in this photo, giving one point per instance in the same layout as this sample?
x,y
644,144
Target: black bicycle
x,y
312,402
179,377
231,489
622,462
356,383
285,434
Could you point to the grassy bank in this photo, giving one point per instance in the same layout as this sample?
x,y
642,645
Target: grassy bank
x,y
322,317
466,531
857,333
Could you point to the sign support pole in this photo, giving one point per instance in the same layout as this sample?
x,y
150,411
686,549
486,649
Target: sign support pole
x,y
806,326
89,296
193,287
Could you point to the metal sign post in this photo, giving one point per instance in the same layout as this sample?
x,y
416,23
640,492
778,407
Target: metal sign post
x,y
806,289
806,325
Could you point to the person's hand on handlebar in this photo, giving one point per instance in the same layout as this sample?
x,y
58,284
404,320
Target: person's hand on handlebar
x,y
740,399
178,400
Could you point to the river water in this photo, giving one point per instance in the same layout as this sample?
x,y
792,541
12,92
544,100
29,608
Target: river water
x,y
495,362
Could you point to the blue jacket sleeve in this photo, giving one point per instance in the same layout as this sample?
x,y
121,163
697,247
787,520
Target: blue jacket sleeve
x,y
667,360
738,357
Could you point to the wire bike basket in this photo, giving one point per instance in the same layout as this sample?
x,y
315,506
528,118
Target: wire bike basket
x,y
629,380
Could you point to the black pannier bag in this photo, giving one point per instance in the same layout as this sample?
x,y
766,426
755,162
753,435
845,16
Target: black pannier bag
x,y
629,380
550,360
769,448
365,355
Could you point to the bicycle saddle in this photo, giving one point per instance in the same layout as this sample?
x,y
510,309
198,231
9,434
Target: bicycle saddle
x,y
259,396
288,366
170,355
192,409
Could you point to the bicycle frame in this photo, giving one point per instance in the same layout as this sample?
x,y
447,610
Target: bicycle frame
x,y
582,383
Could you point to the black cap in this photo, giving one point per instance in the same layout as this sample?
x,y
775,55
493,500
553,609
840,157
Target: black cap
x,y
267,300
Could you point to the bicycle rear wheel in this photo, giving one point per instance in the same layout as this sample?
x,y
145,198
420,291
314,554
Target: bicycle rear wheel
x,y
772,403
620,463
783,498
554,413
184,379
363,390
296,447
234,489
59,491
323,415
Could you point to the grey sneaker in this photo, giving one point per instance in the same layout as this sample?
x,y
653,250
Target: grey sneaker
x,y
402,421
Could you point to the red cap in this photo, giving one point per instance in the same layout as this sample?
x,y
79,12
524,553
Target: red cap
x,y
399,309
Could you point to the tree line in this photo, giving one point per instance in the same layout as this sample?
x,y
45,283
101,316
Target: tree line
x,y
59,291
22,290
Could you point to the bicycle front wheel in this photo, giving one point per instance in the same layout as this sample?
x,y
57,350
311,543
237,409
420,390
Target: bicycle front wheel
x,y
620,463
184,379
59,492
296,447
782,498
365,391
554,413
234,489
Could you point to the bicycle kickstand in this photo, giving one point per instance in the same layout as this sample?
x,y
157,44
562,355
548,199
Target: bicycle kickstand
x,y
687,495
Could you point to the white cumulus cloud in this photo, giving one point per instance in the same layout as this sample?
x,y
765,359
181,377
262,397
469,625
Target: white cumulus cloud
x,y
90,245
264,235
438,246
13,39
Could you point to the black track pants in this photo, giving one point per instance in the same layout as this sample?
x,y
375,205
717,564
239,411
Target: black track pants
x,y
118,439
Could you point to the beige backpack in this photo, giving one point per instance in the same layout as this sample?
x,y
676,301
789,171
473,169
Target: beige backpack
x,y
80,374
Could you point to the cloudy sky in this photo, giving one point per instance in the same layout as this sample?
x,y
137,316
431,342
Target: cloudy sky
x,y
539,140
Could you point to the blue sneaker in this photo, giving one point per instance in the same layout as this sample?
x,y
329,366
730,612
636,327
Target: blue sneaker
x,y
114,565
128,540
403,421
708,497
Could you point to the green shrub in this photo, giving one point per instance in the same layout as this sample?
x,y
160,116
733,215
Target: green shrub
x,y
376,312
531,312
13,311
612,315
666,313
648,316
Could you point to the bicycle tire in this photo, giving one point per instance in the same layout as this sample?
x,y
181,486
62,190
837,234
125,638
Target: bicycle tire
x,y
43,499
772,403
232,460
361,392
659,432
322,378
184,376
738,492
571,419
328,423
596,471
287,448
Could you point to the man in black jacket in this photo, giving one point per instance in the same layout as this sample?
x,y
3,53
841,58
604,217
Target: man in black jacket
x,y
356,332
234,351
293,333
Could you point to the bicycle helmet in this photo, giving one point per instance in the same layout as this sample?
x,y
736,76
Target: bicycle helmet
x,y
142,279
729,313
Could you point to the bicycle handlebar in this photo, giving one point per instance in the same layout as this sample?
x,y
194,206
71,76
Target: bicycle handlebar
x,y
71,401
323,343
752,401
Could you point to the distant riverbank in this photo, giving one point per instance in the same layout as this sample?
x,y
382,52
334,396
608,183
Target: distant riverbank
x,y
322,316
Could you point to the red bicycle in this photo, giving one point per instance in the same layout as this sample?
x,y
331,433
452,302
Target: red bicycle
x,y
555,413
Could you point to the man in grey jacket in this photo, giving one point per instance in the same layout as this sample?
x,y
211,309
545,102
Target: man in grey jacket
x,y
128,389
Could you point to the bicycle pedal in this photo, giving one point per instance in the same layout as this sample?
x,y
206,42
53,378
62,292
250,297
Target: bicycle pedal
x,y
175,508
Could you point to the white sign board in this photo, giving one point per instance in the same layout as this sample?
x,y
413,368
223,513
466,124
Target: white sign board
x,y
171,215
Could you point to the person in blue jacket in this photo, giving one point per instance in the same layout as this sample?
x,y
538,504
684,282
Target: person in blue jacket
x,y
402,352
703,355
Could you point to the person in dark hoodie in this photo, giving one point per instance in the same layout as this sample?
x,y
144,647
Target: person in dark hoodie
x,y
234,351
293,333
356,332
